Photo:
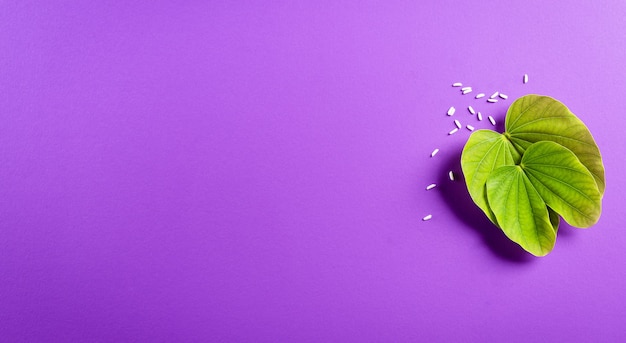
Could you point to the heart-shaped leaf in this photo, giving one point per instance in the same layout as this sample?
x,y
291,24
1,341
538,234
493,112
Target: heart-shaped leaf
x,y
563,183
533,118
545,164
522,214
485,151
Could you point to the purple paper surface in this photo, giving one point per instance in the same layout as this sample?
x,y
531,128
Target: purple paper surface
x,y
256,171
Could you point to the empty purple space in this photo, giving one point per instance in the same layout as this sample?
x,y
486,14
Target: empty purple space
x,y
255,171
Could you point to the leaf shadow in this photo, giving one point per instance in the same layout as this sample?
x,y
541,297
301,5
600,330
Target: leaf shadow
x,y
458,200
566,231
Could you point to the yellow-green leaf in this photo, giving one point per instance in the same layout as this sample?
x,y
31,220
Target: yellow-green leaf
x,y
563,183
522,214
485,151
533,118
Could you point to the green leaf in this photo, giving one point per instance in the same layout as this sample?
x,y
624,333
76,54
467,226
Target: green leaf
x,y
545,165
554,219
563,183
485,151
522,214
533,118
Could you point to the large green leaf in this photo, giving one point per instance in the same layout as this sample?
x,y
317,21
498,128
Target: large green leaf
x,y
545,164
563,183
485,151
522,214
533,118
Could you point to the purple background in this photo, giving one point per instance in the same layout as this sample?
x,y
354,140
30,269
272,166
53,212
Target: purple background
x,y
255,171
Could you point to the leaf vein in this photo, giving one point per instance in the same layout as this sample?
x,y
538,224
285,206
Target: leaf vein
x,y
517,135
560,197
522,112
536,120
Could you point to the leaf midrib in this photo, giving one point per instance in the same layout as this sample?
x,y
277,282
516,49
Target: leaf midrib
x,y
481,161
516,135
536,120
558,196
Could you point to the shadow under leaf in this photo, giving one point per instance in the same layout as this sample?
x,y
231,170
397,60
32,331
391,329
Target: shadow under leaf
x,y
457,198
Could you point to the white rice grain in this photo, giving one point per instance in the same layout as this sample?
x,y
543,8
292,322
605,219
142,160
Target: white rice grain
x,y
494,95
470,127
432,154
451,175
471,109
453,131
492,100
451,110
466,88
503,96
493,121
431,186
458,123
457,84
480,116
525,78
428,217
467,91
480,95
